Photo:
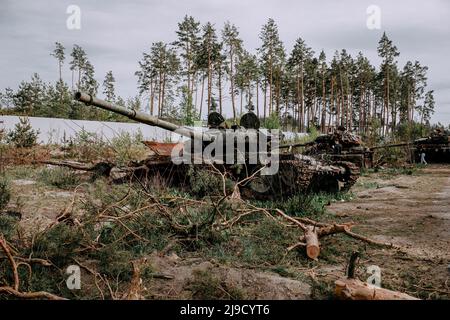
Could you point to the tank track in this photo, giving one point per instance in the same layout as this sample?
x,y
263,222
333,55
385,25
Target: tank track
x,y
351,175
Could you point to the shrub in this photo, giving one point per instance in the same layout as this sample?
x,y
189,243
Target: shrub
x,y
23,135
8,226
58,244
62,178
87,146
203,182
127,147
5,193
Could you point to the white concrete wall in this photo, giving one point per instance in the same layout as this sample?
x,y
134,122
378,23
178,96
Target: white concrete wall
x,y
54,130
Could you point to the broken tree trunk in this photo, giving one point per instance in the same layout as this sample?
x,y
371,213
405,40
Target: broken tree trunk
x,y
313,231
100,168
354,289
312,242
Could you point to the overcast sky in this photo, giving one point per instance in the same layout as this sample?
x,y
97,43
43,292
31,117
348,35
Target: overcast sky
x,y
115,33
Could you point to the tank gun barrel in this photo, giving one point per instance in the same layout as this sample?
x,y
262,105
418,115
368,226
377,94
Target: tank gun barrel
x,y
141,117
392,145
293,145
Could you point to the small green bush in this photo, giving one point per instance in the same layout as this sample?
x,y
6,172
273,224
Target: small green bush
x,y
23,135
5,193
8,226
205,286
203,182
58,244
127,147
62,178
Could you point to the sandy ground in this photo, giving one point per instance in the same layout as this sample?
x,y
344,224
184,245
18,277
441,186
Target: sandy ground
x,y
412,211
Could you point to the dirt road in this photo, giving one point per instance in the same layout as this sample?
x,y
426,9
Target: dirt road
x,y
412,211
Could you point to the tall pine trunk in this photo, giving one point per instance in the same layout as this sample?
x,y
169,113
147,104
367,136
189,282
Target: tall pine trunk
x,y
152,96
220,92
201,96
324,105
232,83
257,98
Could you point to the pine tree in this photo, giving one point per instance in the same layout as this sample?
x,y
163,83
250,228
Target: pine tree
x,y
77,64
365,75
233,47
208,55
7,98
59,54
300,57
246,77
30,96
323,73
220,71
57,102
161,66
271,55
108,87
428,107
188,42
388,52
147,80
88,83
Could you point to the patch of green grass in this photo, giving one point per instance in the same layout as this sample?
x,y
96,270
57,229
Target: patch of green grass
x,y
21,172
58,244
322,290
62,178
8,226
307,205
206,286
367,185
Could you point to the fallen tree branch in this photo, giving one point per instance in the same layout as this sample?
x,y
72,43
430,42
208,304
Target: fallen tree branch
x,y
14,290
12,262
30,295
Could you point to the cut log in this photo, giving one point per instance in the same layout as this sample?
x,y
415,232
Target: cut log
x,y
354,289
312,242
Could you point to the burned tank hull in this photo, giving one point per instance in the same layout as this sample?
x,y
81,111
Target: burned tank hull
x,y
341,146
297,173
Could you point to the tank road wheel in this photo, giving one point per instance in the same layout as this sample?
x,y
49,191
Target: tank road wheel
x,y
260,185
352,173
287,176
325,182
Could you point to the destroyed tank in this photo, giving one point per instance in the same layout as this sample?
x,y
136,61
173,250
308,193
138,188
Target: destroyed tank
x,y
436,147
209,150
341,145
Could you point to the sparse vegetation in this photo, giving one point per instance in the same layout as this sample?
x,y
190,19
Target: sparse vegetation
x,y
206,286
128,147
59,177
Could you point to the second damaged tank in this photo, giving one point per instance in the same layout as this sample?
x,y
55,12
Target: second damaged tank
x,y
245,154
436,147
341,145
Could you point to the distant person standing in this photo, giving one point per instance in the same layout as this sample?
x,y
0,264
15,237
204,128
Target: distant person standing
x,y
422,157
